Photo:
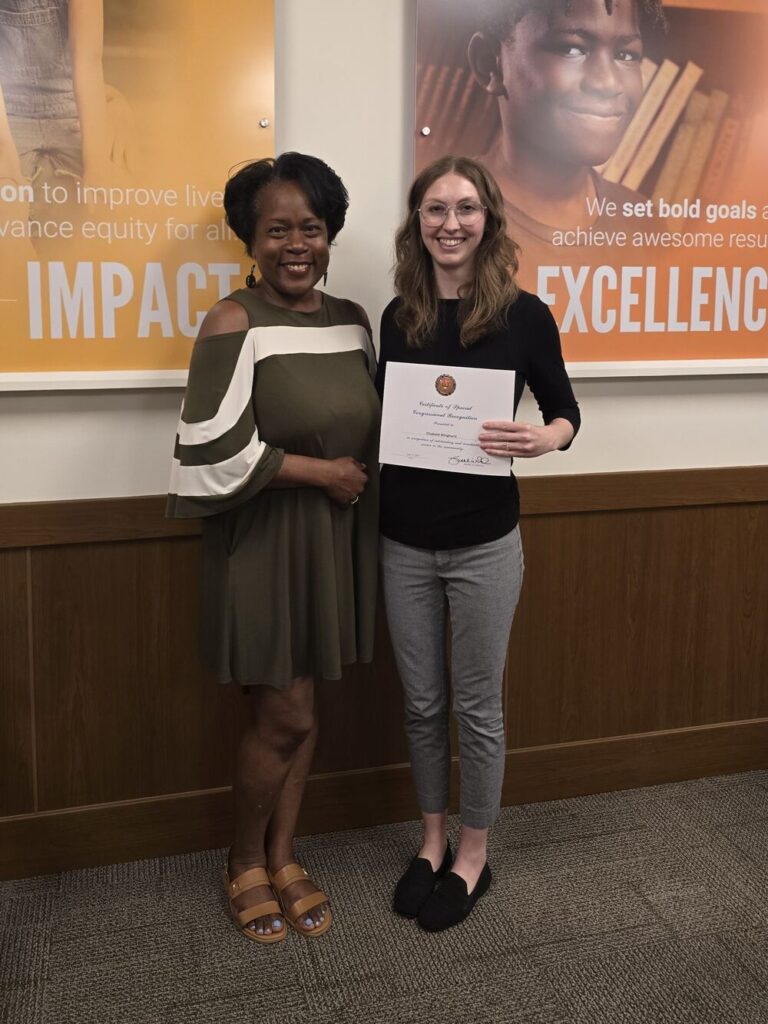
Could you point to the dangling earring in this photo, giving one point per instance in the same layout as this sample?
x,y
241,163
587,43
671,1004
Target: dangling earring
x,y
250,281
325,279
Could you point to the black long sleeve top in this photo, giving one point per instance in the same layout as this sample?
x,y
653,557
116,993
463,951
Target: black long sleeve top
x,y
439,510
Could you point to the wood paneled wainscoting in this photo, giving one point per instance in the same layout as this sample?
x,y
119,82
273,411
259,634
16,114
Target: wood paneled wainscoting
x,y
639,655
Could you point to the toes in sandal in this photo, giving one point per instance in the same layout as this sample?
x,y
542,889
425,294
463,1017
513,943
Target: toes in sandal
x,y
296,911
266,908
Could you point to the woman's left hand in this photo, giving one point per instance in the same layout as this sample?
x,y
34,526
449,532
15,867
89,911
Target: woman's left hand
x,y
523,440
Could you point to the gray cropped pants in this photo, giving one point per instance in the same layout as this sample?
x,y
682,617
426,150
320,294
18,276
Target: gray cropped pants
x,y
477,589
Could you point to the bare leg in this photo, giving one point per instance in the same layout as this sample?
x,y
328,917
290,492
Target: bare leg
x,y
279,723
471,855
435,838
282,825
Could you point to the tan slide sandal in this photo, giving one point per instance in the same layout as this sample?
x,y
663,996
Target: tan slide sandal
x,y
243,883
296,910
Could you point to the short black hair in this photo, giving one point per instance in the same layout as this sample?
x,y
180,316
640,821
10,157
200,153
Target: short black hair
x,y
499,17
326,195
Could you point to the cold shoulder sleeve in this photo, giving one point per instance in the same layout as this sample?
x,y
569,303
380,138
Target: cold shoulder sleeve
x,y
219,460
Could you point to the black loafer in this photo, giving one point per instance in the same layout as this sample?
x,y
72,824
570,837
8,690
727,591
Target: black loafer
x,y
450,903
416,885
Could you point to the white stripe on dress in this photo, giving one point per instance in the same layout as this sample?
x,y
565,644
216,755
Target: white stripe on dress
x,y
259,343
219,479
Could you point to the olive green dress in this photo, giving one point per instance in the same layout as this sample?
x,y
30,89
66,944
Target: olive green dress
x,y
289,576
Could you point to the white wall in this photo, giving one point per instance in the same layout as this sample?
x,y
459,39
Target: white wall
x,y
345,92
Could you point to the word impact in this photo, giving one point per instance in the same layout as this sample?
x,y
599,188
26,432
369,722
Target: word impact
x,y
63,301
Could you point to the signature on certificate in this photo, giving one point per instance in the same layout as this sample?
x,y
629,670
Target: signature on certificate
x,y
476,460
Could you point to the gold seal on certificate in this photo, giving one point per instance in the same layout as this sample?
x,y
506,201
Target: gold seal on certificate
x,y
445,384
432,418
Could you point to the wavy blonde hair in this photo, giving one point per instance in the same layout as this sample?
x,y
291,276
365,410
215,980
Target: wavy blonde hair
x,y
484,299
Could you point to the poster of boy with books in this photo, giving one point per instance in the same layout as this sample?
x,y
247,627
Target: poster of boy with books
x,y
567,79
612,128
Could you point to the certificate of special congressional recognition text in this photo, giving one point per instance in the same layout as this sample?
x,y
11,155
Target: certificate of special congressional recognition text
x,y
433,415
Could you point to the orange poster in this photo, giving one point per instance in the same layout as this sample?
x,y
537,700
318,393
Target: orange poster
x,y
630,142
120,121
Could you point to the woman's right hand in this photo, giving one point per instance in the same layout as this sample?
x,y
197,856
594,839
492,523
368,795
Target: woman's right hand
x,y
347,479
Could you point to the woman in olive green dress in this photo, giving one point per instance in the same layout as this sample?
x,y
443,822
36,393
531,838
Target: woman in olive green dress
x,y
276,450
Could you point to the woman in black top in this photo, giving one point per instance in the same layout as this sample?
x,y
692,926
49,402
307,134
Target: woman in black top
x,y
450,541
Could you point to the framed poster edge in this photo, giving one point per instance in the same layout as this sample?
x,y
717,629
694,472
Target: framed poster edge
x,y
96,380
630,369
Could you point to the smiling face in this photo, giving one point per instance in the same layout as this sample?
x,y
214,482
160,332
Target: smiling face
x,y
571,82
290,245
453,246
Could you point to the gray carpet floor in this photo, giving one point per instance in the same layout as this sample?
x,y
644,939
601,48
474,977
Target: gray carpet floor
x,y
643,907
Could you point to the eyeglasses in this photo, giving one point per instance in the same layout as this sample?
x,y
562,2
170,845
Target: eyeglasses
x,y
467,213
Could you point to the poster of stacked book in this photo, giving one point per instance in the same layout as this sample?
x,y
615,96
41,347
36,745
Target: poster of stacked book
x,y
629,139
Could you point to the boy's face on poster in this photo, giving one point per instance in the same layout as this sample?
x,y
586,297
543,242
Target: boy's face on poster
x,y
570,82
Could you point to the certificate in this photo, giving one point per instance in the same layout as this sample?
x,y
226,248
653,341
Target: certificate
x,y
433,415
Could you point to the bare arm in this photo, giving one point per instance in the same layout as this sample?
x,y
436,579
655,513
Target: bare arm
x,y
525,440
10,167
343,479
86,45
